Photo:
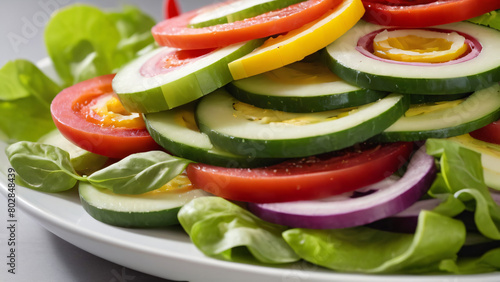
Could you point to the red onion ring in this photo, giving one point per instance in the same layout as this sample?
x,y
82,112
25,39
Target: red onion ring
x,y
377,201
365,47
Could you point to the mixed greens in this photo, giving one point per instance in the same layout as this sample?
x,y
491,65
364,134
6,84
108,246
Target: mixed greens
x,y
461,235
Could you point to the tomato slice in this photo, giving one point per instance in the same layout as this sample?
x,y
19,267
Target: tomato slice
x,y
303,179
424,13
489,133
90,115
175,32
171,9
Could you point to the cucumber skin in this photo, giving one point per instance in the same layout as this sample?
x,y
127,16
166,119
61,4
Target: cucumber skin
x,y
205,156
187,88
133,220
306,104
420,99
461,129
302,147
456,85
456,130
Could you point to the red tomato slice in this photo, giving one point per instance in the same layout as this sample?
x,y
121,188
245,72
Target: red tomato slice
x,y
489,133
171,9
424,13
303,179
175,33
73,114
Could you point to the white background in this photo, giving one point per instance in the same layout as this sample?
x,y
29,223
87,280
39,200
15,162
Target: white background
x,y
42,256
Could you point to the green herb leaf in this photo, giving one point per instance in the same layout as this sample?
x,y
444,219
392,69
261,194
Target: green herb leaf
x,y
488,262
139,173
491,19
135,31
220,228
462,176
42,167
25,96
366,250
84,42
81,40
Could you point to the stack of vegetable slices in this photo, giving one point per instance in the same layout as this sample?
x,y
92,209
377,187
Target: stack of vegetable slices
x,y
320,125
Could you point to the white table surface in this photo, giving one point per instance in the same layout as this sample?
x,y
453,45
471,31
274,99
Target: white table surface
x,y
42,256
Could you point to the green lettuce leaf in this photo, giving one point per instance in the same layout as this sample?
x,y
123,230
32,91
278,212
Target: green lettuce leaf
x,y
218,228
488,262
491,19
25,96
134,28
367,250
85,42
462,176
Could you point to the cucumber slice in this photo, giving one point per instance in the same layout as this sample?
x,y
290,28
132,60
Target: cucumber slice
x,y
420,99
305,86
461,76
83,161
177,132
163,91
232,11
153,209
239,127
490,158
476,111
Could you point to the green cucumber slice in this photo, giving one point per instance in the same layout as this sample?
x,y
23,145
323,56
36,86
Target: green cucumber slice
x,y
83,161
420,99
187,83
138,211
280,135
305,86
479,109
232,11
168,128
482,71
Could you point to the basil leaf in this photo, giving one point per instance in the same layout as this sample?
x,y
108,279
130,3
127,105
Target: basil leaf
x,y
139,173
42,167
25,96
367,250
221,229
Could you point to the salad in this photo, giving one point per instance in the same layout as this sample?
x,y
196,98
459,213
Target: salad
x,y
276,131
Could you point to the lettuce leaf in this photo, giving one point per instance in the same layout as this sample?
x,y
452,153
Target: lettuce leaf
x,y
367,250
488,262
462,176
491,19
84,41
25,96
219,228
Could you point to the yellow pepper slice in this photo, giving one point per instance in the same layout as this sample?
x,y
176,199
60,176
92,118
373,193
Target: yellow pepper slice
x,y
418,45
297,44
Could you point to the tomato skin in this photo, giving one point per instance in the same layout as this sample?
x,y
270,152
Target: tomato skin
x,y
303,179
175,33
107,141
424,13
489,133
171,9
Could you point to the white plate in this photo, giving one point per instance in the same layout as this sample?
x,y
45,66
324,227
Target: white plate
x,y
168,253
